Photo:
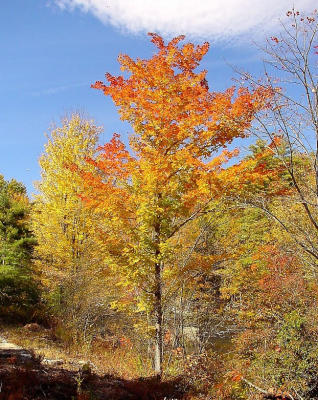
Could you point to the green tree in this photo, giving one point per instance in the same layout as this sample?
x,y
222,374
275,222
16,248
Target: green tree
x,y
19,292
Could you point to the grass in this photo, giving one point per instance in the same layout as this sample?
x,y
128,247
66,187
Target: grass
x,y
115,373
122,361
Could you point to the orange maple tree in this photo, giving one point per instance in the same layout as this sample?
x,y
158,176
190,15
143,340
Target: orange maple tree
x,y
148,194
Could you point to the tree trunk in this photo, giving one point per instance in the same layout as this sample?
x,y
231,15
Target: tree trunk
x,y
158,319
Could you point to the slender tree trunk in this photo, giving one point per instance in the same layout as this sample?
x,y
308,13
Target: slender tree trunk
x,y
158,319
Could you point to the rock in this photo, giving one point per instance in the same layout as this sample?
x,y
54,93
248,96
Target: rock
x,y
10,350
34,327
9,346
47,361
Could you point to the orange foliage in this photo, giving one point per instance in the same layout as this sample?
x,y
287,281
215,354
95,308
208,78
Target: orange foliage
x,y
175,164
178,124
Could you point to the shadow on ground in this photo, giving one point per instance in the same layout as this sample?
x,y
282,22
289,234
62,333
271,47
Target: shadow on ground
x,y
25,378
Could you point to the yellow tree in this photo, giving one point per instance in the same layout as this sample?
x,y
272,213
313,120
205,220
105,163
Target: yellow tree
x,y
67,243
169,180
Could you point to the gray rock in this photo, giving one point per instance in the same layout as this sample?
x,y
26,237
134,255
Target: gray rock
x,y
47,361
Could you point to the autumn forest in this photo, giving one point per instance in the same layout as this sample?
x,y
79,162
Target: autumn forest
x,y
187,251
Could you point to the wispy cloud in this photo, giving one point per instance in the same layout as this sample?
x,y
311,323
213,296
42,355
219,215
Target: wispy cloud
x,y
217,20
58,89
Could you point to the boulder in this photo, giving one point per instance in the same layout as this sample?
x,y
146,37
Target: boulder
x,y
34,327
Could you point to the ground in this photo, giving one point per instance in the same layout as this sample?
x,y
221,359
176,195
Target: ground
x,y
26,374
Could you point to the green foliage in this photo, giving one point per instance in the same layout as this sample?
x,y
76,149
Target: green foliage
x,y
19,292
16,240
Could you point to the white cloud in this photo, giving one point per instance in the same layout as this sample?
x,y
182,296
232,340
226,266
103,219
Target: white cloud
x,y
217,20
58,89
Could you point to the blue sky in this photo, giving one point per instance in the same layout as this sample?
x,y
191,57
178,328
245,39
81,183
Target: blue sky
x,y
51,51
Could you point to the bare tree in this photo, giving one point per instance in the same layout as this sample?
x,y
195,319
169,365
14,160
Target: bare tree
x,y
290,70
